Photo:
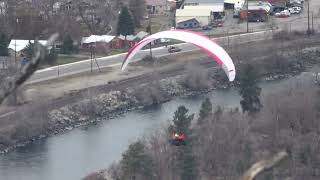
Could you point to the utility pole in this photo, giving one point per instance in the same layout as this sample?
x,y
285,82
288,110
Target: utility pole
x,y
312,30
150,34
91,55
15,42
247,16
309,17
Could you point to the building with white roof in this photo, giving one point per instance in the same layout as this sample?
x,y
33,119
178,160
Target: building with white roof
x,y
216,6
96,38
203,16
18,44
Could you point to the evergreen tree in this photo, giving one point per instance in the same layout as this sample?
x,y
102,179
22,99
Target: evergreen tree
x,y
136,163
125,24
188,164
206,110
4,42
182,121
28,50
249,90
186,161
67,46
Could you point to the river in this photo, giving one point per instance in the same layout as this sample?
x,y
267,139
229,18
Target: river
x,y
74,154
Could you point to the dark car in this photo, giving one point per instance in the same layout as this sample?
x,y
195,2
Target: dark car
x,y
217,24
207,27
173,49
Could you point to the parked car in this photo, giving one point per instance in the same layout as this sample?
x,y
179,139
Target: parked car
x,y
207,27
297,8
173,49
217,24
294,10
283,14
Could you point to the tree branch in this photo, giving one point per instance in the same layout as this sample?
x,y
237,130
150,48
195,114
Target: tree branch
x,y
264,165
10,84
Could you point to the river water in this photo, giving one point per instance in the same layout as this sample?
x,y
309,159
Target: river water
x,y
74,154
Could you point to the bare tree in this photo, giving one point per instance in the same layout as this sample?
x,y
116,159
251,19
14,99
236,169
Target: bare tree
x,y
10,84
137,8
97,15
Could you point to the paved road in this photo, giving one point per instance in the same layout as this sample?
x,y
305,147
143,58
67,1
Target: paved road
x,y
116,60
296,22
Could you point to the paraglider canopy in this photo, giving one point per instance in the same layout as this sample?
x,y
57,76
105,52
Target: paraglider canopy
x,y
199,40
177,136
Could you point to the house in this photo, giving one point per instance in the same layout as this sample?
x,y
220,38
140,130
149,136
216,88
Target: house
x,y
215,6
18,44
260,4
99,41
172,4
157,6
258,11
188,23
234,4
203,16
119,42
3,8
257,14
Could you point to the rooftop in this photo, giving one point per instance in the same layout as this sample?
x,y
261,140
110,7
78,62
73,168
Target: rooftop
x,y
193,12
18,44
156,2
204,1
212,7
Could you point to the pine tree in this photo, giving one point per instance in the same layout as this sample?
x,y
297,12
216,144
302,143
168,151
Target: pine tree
x,y
28,50
67,46
250,91
205,111
4,41
136,163
182,121
125,24
188,164
186,161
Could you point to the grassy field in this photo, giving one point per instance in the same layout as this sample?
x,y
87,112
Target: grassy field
x,y
65,59
156,22
117,51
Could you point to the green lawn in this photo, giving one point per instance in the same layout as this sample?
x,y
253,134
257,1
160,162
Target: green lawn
x,y
65,59
117,51
155,26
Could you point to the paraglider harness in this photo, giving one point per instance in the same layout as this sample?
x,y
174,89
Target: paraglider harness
x,y
177,139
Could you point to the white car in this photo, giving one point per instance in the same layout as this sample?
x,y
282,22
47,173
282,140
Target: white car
x,y
297,8
294,10
283,14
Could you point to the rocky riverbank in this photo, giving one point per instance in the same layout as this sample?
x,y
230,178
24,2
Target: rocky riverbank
x,y
96,107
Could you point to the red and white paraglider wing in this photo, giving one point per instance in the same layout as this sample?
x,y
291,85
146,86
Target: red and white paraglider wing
x,y
201,41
